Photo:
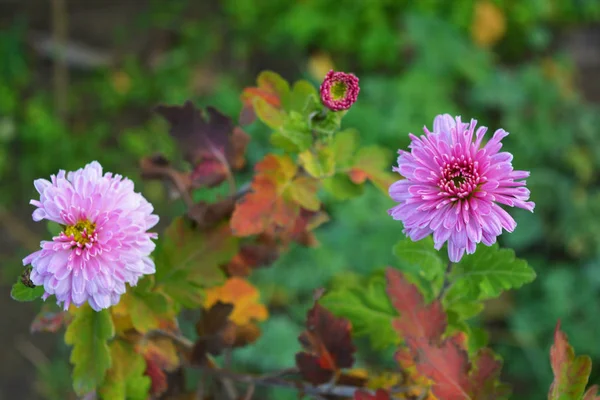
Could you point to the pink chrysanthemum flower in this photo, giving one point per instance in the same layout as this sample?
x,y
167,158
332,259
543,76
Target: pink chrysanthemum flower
x,y
339,90
104,243
453,187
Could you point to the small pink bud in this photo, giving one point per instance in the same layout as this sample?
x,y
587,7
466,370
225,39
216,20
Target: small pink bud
x,y
339,90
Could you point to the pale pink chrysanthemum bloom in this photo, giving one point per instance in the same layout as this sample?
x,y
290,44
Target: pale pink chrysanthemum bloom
x,y
104,243
453,187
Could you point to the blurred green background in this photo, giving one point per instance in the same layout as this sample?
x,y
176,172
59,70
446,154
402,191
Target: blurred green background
x,y
531,67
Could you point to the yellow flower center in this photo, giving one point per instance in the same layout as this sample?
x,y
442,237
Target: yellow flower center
x,y
78,229
338,90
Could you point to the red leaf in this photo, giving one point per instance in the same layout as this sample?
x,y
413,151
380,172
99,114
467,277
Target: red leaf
x,y
158,167
592,393
49,320
379,395
157,376
328,346
417,319
212,145
208,215
251,256
444,362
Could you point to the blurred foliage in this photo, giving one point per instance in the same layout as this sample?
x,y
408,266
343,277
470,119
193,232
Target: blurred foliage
x,y
415,60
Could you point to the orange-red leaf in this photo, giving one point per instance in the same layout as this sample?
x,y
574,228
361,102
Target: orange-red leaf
x,y
444,362
417,319
571,373
328,346
379,395
243,296
266,205
272,90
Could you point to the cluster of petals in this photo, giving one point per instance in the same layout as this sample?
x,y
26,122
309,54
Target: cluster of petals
x,y
346,84
453,187
105,243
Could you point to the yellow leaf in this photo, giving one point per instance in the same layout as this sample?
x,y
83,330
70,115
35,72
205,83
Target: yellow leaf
x,y
489,24
319,65
162,352
121,82
244,297
304,192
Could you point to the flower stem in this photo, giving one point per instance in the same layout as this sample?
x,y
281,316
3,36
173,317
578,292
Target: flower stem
x,y
446,284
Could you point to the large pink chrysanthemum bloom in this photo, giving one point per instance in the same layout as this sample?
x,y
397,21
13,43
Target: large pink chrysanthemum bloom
x,y
104,243
453,187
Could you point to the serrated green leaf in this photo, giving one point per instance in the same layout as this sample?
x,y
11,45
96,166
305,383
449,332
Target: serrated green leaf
x,y
20,292
422,265
341,187
487,273
125,380
319,163
88,333
368,308
187,260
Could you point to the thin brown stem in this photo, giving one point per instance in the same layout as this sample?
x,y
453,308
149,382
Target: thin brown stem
x,y
249,392
275,380
181,341
61,72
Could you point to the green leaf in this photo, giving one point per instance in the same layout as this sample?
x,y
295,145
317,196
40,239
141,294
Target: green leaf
x,y
295,130
145,307
188,260
368,308
300,97
487,273
21,292
344,147
319,162
125,380
341,187
422,265
89,333
280,141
